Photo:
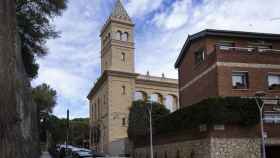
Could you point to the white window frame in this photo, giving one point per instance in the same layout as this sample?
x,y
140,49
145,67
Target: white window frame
x,y
272,74
203,56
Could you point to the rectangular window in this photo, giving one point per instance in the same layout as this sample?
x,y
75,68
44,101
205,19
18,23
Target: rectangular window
x,y
271,118
99,108
225,45
274,81
123,122
95,111
199,56
240,80
123,90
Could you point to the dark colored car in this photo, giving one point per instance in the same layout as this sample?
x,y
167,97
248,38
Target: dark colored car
x,y
85,154
82,154
96,154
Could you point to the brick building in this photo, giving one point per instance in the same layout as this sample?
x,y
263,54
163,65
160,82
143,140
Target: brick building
x,y
228,63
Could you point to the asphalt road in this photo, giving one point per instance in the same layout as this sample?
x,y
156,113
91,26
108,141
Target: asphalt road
x,y
45,154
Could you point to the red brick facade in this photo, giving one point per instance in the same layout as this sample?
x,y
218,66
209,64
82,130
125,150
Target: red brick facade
x,y
213,77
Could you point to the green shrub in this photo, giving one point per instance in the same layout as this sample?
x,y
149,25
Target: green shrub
x,y
218,110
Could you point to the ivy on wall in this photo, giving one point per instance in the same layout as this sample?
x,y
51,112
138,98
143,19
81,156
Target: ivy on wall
x,y
211,111
217,110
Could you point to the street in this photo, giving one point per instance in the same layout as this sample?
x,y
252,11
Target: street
x,y
45,154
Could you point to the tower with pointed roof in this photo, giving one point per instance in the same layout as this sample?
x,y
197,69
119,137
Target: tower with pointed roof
x,y
112,95
117,51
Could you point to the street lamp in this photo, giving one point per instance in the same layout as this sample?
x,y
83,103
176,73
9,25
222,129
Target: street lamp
x,y
258,96
150,110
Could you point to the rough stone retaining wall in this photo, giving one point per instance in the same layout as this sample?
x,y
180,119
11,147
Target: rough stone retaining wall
x,y
235,148
205,148
196,148
18,113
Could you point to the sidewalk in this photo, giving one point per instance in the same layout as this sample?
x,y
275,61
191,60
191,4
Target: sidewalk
x,y
45,154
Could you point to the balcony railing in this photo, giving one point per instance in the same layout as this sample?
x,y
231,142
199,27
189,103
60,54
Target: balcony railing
x,y
159,79
248,49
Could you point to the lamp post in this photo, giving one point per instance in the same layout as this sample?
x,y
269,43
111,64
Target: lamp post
x,y
151,126
258,95
67,131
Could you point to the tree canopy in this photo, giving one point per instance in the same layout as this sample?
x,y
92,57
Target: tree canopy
x,y
35,28
44,97
57,127
138,124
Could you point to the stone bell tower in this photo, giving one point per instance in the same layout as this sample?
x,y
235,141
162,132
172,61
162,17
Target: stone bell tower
x,y
112,94
117,47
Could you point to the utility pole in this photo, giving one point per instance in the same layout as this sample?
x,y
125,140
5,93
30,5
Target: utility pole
x,y
260,95
150,110
67,131
260,106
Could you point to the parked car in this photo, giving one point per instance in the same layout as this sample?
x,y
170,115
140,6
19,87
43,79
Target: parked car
x,y
82,154
99,155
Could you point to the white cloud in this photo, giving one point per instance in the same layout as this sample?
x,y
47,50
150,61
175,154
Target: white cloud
x,y
74,60
139,8
167,40
64,82
249,15
177,17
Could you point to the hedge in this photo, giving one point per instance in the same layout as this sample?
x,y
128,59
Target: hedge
x,y
218,110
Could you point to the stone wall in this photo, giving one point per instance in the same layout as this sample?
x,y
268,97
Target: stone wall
x,y
205,148
18,114
187,149
235,148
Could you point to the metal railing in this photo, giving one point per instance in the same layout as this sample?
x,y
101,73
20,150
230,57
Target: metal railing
x,y
155,78
248,49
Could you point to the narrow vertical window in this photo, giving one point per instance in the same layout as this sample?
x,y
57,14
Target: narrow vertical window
x,y
109,36
123,56
99,109
95,111
92,111
118,35
123,122
125,36
199,56
123,90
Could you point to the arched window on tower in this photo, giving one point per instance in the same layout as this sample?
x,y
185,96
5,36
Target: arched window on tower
x,y
125,36
123,56
118,35
109,36
123,90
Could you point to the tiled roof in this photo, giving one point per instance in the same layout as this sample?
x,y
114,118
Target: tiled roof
x,y
119,12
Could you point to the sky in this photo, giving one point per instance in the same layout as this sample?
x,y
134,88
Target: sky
x,y
161,28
